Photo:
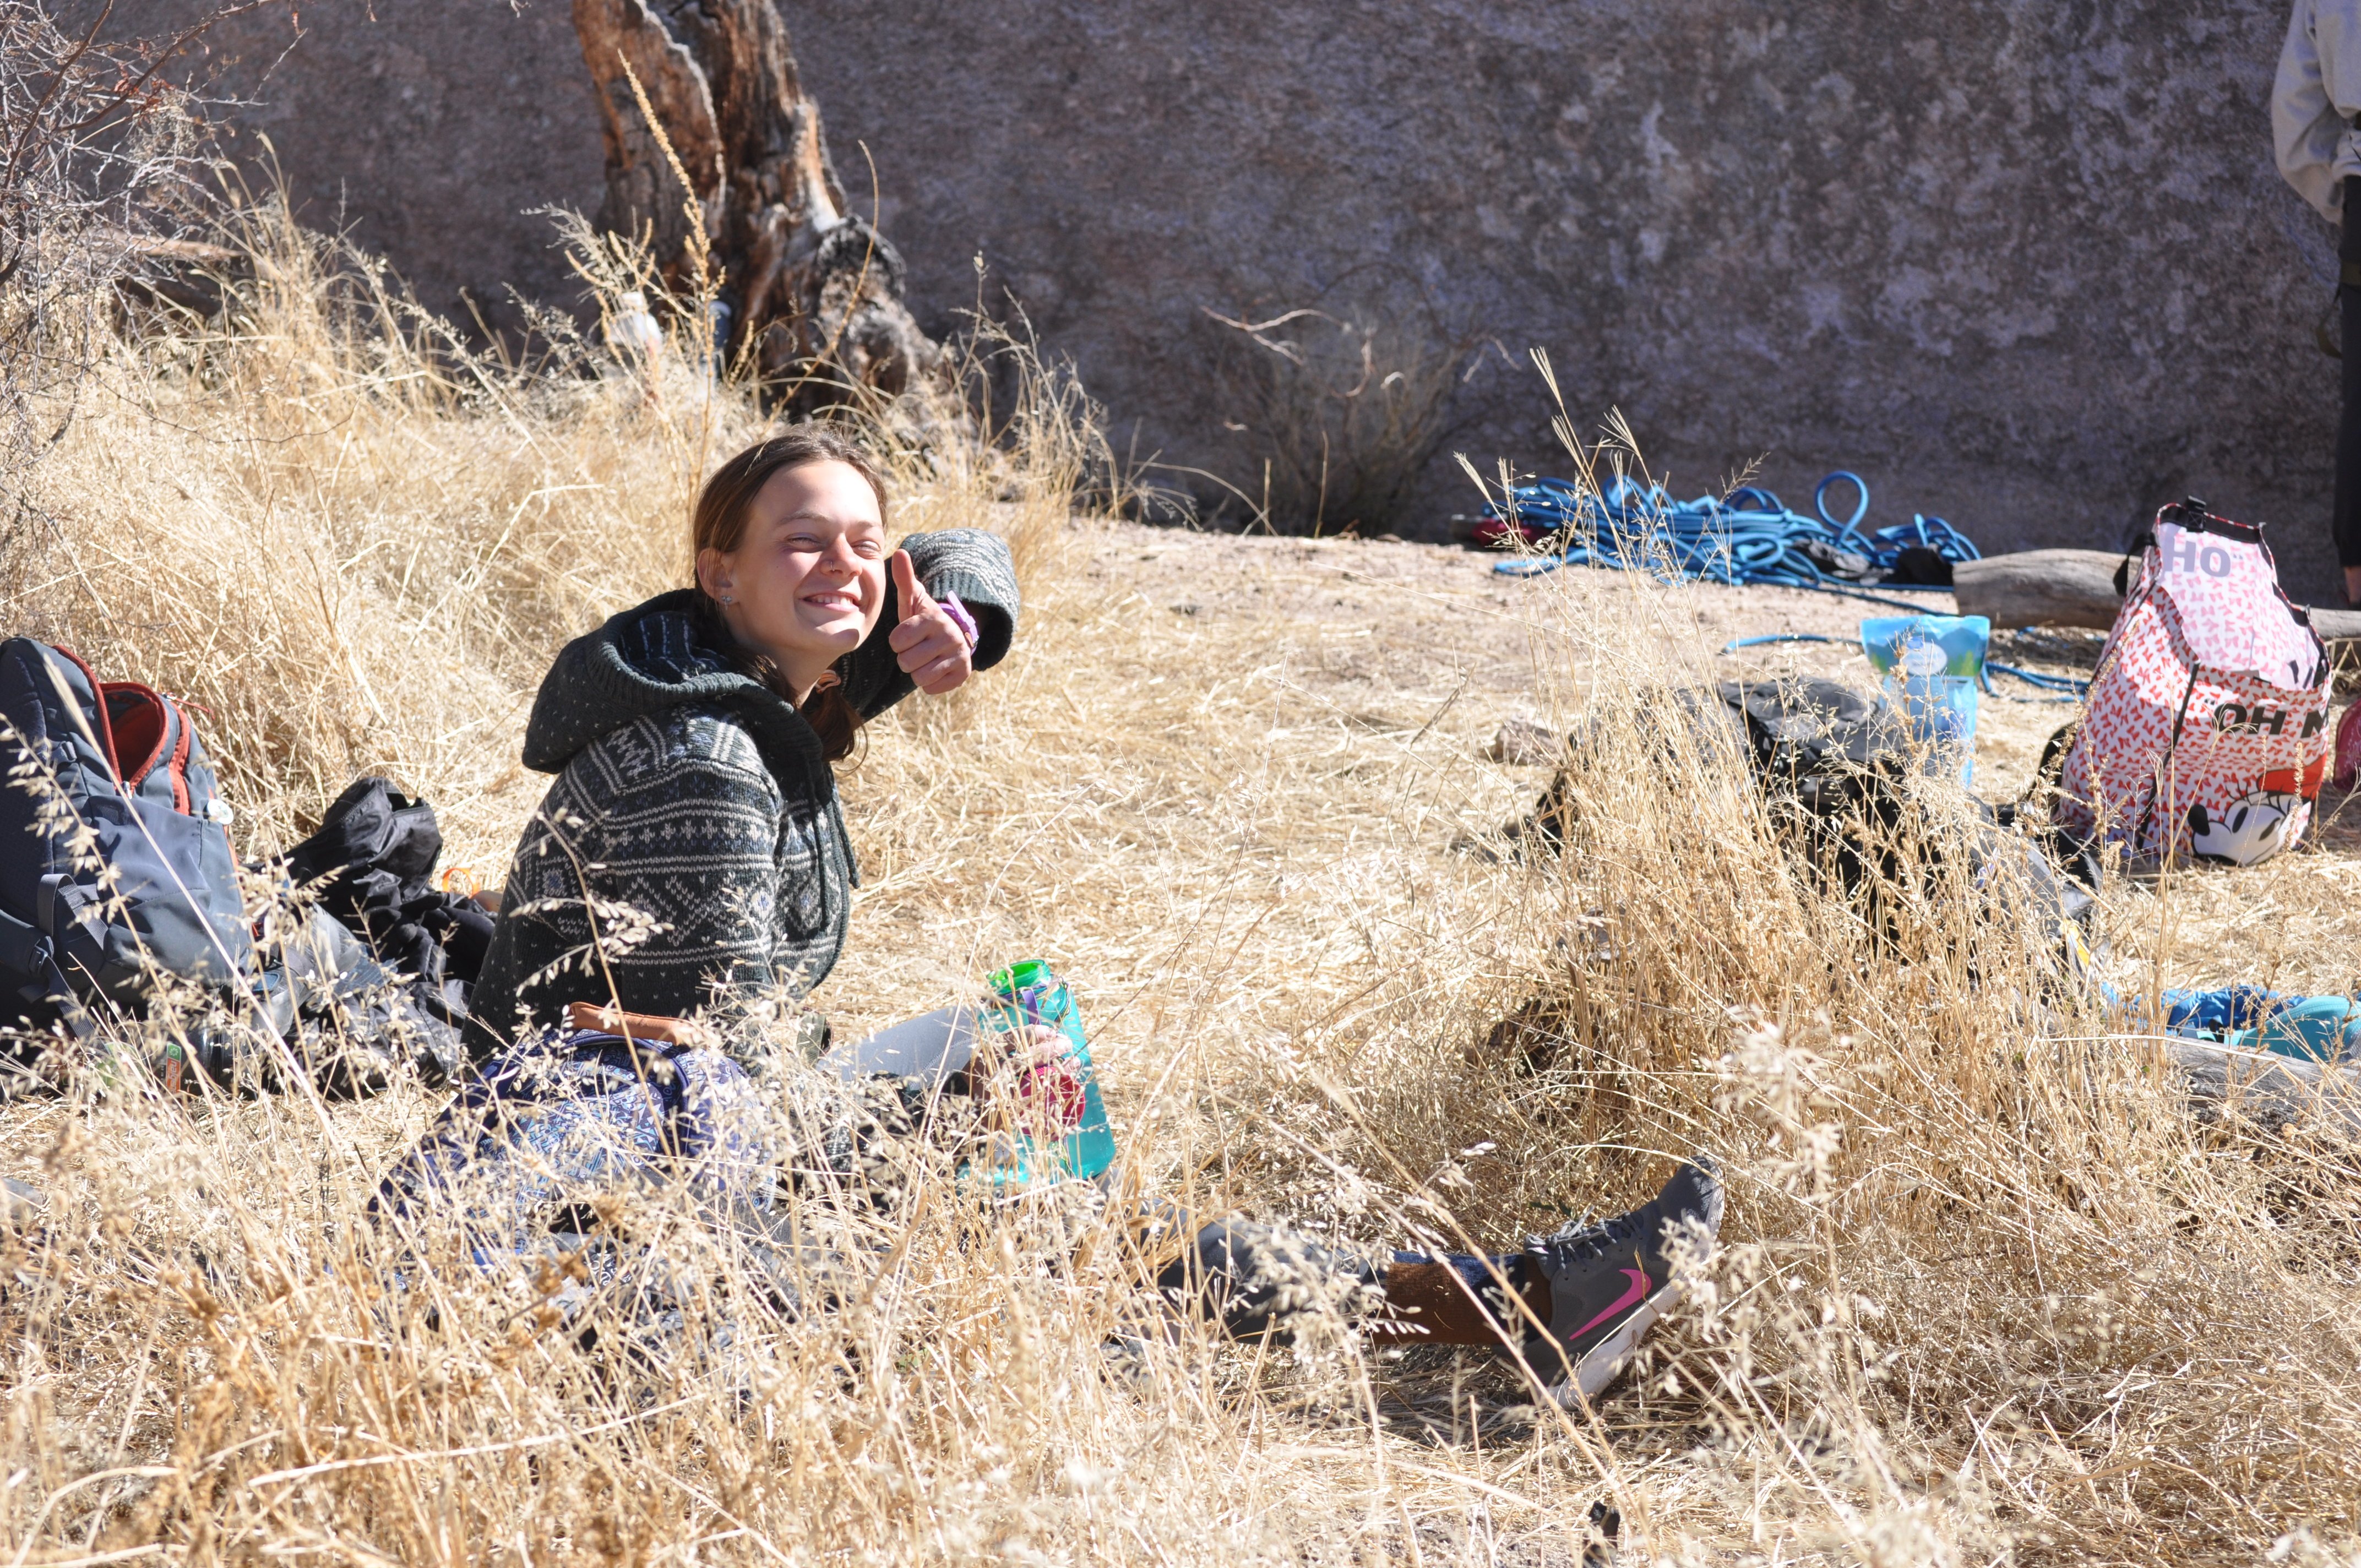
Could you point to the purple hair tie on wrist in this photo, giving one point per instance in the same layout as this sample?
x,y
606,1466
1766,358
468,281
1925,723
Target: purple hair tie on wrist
x,y
961,618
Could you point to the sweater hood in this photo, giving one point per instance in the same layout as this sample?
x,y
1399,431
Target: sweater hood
x,y
646,661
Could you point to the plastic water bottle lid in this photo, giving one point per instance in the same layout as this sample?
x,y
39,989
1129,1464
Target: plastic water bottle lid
x,y
1022,975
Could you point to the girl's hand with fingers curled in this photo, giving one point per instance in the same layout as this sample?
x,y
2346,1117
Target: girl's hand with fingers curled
x,y
932,649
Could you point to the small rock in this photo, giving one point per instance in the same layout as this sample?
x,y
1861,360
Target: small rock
x,y
1521,743
21,1203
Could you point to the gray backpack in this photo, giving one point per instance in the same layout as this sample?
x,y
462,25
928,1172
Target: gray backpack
x,y
116,872
115,857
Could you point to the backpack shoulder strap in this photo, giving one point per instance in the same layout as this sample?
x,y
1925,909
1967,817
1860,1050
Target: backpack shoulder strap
x,y
30,952
2141,543
93,712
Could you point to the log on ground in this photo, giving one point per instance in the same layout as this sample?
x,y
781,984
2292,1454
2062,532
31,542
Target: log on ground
x,y
2072,587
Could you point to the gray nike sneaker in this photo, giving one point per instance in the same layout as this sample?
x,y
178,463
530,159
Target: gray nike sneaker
x,y
1610,1279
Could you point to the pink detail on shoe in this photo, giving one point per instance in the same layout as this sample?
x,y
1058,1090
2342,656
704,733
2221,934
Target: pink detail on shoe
x,y
1639,1278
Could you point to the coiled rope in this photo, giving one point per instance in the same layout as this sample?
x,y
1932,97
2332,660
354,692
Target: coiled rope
x,y
1748,536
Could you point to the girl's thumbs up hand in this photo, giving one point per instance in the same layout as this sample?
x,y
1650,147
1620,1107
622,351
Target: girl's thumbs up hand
x,y
932,650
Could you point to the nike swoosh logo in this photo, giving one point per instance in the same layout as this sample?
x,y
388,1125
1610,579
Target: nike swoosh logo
x,y
1639,1278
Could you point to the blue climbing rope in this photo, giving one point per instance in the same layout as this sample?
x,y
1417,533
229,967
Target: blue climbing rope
x,y
2073,690
1747,536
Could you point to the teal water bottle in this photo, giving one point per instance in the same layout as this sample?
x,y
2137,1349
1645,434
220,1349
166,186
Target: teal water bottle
x,y
1065,1091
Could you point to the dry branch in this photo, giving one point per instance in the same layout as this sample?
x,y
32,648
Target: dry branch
x,y
2274,1091
812,292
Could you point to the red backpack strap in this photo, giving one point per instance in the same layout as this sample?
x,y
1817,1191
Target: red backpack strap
x,y
183,737
98,701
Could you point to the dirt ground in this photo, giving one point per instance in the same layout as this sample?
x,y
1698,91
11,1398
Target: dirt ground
x,y
1219,783
1435,615
1337,699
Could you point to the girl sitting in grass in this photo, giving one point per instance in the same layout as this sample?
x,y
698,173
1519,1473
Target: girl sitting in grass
x,y
691,856
691,859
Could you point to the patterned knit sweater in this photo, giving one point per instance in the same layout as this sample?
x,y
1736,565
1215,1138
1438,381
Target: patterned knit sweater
x,y
693,821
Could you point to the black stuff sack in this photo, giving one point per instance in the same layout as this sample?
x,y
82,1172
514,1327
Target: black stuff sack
x,y
372,863
1811,743
115,856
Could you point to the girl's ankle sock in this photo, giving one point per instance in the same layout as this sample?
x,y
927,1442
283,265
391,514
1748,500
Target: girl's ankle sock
x,y
1457,1301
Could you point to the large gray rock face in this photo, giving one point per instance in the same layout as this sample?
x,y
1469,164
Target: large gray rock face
x,y
2024,265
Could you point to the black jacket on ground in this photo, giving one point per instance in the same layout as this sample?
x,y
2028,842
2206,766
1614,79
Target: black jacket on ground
x,y
693,821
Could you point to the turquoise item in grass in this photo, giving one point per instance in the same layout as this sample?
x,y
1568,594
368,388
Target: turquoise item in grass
x,y
2311,1028
2317,1028
1062,1089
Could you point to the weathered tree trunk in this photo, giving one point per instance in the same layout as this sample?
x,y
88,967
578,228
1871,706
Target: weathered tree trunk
x,y
814,293
2072,587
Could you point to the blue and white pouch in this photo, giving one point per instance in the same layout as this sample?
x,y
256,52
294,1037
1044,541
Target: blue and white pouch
x,y
1933,666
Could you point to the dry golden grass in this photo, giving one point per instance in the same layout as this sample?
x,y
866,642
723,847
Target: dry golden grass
x,y
1990,1295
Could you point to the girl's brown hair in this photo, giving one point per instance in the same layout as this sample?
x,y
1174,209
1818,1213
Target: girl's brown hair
x,y
719,525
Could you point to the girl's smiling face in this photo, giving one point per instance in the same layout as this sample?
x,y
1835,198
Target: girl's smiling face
x,y
806,582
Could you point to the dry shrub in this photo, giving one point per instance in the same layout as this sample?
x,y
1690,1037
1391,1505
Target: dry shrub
x,y
1341,416
1998,1296
1990,1294
350,546
97,149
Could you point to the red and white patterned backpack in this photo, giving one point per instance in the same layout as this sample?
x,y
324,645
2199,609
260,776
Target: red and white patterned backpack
x,y
2206,731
